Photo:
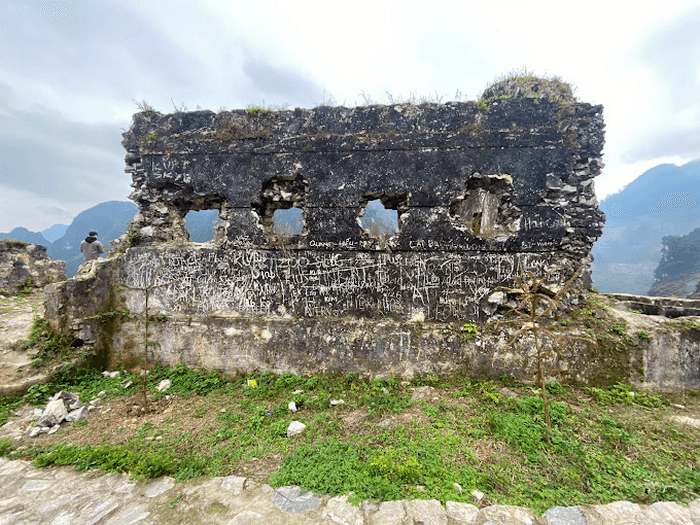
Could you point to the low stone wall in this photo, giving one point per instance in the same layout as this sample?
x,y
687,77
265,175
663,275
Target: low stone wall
x,y
665,306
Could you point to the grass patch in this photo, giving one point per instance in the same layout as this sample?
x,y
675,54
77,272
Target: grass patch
x,y
50,347
606,444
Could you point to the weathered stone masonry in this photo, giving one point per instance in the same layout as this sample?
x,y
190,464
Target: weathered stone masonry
x,y
477,193
479,190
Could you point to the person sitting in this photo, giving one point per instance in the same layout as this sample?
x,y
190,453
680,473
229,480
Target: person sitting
x,y
91,248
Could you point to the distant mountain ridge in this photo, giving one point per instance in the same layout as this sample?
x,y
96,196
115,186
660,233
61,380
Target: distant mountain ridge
x,y
55,232
24,235
664,200
110,220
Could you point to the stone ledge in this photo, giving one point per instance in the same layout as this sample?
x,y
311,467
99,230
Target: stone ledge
x,y
664,306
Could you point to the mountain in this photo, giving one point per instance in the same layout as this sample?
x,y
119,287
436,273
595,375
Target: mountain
x,y
55,232
108,219
663,201
24,235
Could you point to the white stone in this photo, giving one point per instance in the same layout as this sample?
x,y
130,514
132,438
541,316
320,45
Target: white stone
x,y
336,402
685,420
477,495
159,486
164,385
295,428
427,512
510,514
53,414
421,393
81,413
618,511
390,513
340,511
233,484
497,298
668,512
292,406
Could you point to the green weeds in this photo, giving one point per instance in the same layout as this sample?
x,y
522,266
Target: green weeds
x,y
606,444
624,394
50,347
27,286
468,331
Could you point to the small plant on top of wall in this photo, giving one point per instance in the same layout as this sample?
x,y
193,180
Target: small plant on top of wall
x,y
526,84
536,304
133,238
143,105
255,109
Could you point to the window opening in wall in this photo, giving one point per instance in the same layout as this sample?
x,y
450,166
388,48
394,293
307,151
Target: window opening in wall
x,y
487,209
201,225
281,205
288,222
379,222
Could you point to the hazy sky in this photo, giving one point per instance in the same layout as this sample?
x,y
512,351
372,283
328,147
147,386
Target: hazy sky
x,y
71,71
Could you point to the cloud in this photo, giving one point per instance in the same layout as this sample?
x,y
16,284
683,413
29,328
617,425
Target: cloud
x,y
53,210
19,208
673,54
672,57
83,53
279,82
50,156
681,143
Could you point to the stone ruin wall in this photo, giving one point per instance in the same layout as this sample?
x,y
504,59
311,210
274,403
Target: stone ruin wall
x,y
27,265
477,193
479,190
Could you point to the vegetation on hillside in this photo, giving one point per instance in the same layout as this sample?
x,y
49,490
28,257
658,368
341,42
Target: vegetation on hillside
x,y
679,266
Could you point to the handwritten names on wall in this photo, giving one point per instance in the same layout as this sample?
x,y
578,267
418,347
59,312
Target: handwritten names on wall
x,y
441,286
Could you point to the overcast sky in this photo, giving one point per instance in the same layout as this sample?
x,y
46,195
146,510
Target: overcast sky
x,y
71,71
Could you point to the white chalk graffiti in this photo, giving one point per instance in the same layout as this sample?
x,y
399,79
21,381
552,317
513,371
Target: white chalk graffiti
x,y
313,284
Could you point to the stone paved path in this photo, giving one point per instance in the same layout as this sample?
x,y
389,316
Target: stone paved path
x,y
30,496
16,319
